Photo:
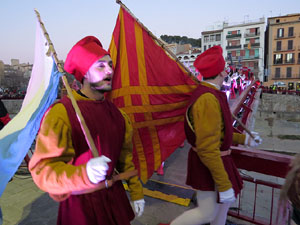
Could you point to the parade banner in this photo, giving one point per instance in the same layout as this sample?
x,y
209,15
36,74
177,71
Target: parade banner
x,y
18,135
152,88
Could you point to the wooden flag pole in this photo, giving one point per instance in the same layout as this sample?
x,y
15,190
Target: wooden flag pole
x,y
51,51
244,127
173,56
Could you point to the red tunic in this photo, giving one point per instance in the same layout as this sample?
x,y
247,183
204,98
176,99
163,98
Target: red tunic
x,y
198,175
107,206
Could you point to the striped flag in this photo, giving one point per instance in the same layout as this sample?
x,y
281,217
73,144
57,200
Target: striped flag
x,y
152,88
18,135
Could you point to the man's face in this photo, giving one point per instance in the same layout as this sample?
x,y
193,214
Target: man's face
x,y
100,74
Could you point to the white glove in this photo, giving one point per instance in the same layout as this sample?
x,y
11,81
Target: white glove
x,y
227,196
96,168
139,206
253,142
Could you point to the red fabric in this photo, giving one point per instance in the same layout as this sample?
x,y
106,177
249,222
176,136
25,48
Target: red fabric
x,y
82,55
211,62
107,206
141,77
198,175
96,208
5,119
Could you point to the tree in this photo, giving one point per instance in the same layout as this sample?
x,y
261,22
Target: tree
x,y
181,40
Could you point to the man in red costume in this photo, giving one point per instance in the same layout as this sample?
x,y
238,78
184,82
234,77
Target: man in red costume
x,y
4,117
208,127
62,163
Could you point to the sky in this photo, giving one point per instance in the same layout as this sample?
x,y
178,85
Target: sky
x,y
67,21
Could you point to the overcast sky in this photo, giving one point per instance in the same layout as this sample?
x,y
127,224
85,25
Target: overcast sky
x,y
67,21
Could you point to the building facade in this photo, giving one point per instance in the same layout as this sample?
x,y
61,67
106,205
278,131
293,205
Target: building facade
x,y
211,38
283,50
243,44
187,59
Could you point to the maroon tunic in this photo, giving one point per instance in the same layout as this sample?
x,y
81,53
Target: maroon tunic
x,y
198,175
107,127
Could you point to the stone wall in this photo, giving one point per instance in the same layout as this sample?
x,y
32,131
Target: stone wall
x,y
13,106
281,106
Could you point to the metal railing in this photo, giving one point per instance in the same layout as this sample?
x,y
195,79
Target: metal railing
x,y
259,161
233,35
233,46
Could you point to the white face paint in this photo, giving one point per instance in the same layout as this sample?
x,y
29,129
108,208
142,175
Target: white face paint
x,y
100,74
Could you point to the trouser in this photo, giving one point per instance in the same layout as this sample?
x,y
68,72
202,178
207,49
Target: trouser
x,y
208,211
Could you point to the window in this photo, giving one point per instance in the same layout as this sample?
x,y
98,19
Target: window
x,y
218,37
278,45
290,44
256,53
278,59
278,21
277,72
290,58
206,38
204,47
212,37
289,72
209,46
229,56
291,31
280,32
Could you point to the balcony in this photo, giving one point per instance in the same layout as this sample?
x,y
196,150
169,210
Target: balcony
x,y
233,46
252,34
233,36
285,49
278,62
291,61
285,77
252,45
250,57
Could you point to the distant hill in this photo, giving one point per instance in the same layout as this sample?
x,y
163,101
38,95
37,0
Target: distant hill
x,y
181,40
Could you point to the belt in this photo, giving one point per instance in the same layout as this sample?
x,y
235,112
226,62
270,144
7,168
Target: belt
x,y
101,185
223,153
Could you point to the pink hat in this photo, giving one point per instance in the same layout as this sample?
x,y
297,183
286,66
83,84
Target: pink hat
x,y
82,55
211,62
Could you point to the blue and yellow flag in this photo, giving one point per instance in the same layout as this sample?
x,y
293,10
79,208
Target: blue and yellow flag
x,y
18,135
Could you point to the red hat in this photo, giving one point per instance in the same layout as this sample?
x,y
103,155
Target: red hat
x,y
211,62
83,54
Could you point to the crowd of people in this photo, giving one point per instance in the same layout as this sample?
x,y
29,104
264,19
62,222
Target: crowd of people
x,y
12,93
236,81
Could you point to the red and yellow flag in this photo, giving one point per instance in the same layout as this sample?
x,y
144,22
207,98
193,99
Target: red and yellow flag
x,y
152,88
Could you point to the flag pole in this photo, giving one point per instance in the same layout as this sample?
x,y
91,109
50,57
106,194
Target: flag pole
x,y
51,51
173,56
159,42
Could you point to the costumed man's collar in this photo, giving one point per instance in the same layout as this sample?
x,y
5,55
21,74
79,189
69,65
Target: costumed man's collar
x,y
215,85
